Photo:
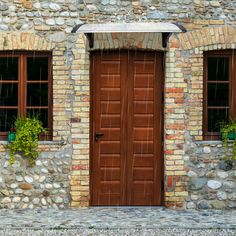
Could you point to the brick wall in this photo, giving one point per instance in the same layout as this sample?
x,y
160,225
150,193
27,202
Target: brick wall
x,y
80,124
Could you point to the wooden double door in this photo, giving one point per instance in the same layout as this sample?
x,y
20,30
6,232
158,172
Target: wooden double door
x,y
126,161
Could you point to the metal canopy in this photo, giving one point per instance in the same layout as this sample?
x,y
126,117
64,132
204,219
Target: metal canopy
x,y
138,27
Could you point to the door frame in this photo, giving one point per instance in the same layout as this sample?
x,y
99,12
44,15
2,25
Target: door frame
x,y
91,120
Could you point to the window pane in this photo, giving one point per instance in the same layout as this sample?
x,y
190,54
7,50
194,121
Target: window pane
x,y
215,116
42,114
8,68
218,69
37,68
218,94
8,94
7,117
37,94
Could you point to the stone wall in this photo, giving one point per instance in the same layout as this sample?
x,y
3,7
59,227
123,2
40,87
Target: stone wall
x,y
212,173
186,11
44,185
61,15
32,25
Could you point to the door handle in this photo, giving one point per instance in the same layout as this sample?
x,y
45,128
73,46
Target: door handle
x,y
97,136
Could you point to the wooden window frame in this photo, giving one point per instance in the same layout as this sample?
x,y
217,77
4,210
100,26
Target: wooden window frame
x,y
22,87
232,87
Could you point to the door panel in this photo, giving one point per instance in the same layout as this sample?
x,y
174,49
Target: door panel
x,y
143,94
126,165
140,120
110,94
109,121
108,163
109,160
143,107
110,81
143,133
143,81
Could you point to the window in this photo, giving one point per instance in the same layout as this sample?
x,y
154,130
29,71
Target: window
x,y
25,88
219,84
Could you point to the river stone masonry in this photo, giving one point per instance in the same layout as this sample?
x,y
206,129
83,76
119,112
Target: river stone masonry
x,y
45,185
212,174
196,173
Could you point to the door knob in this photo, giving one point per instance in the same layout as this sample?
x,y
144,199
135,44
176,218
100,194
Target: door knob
x,y
97,136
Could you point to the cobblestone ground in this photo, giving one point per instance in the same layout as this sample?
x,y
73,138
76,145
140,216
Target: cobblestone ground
x,y
119,232
117,221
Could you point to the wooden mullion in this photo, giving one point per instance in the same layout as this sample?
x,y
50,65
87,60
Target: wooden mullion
x,y
231,86
16,53
7,55
22,86
8,82
218,107
37,107
212,136
232,95
25,77
218,82
50,96
3,135
37,82
205,108
8,107
219,53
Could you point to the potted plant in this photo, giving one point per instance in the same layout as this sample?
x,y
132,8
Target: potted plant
x,y
11,135
228,132
26,138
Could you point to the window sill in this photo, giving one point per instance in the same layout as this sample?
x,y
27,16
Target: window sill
x,y
3,142
212,142
209,142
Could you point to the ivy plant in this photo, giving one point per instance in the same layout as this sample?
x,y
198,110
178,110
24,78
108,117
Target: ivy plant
x,y
27,137
228,132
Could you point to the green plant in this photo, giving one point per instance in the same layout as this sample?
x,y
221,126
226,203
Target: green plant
x,y
27,136
228,132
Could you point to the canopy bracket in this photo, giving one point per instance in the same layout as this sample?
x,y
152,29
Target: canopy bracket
x,y
90,37
75,28
165,39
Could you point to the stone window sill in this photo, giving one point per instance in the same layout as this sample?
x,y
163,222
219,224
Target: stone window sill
x,y
40,142
209,142
212,142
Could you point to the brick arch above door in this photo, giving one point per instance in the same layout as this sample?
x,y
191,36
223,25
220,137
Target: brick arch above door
x,y
150,41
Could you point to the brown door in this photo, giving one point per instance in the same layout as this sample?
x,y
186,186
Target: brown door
x,y
126,164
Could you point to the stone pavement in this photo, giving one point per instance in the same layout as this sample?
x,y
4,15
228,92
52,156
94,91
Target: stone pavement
x,y
117,218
